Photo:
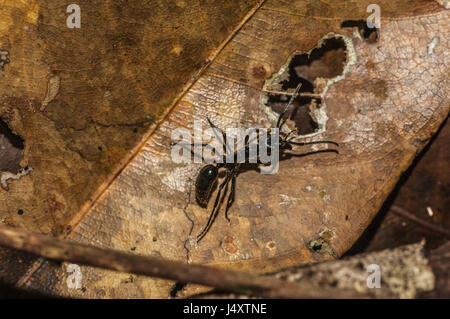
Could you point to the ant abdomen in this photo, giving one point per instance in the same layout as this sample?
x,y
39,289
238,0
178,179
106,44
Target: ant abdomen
x,y
206,179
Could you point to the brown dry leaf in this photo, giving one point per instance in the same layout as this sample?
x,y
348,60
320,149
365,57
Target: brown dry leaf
x,y
83,99
423,194
381,97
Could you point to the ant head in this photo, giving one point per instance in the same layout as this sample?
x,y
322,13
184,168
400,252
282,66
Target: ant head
x,y
285,145
284,141
209,172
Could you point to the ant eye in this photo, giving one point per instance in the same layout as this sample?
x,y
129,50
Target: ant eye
x,y
209,171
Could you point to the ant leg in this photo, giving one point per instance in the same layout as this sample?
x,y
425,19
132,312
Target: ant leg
x,y
314,152
214,212
224,136
290,132
231,196
187,144
216,208
215,127
191,148
313,142
280,120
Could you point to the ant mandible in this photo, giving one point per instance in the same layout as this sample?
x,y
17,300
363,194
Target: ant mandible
x,y
209,173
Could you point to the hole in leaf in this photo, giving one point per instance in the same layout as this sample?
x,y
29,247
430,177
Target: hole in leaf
x,y
321,246
298,112
3,59
11,149
369,34
326,61
176,288
312,70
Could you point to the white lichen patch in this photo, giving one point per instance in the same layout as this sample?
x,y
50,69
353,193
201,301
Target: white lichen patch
x,y
270,248
317,112
404,273
432,45
287,200
52,90
6,176
4,59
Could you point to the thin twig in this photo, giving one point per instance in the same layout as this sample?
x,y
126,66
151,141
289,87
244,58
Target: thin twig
x,y
405,214
232,281
306,94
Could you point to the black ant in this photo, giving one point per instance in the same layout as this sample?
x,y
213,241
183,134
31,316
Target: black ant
x,y
209,174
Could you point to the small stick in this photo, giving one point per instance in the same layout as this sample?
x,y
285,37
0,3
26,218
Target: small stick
x,y
405,214
232,281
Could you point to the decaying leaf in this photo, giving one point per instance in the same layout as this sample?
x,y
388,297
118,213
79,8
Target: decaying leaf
x,y
82,99
380,95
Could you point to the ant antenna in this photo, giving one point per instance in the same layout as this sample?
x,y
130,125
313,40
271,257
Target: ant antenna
x,y
289,134
279,122
313,142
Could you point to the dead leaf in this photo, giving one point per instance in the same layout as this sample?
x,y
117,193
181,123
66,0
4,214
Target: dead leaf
x,y
384,102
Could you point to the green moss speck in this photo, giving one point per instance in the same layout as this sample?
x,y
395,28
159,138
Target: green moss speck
x,y
322,194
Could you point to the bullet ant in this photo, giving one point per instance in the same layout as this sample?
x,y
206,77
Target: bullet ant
x,y
209,173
